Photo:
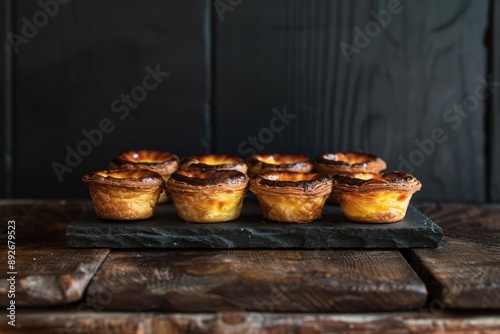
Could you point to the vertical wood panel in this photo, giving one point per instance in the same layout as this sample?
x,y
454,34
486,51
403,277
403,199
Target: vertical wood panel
x,y
389,99
84,58
494,117
6,101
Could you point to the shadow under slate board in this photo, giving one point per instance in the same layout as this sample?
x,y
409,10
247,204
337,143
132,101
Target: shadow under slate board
x,y
333,230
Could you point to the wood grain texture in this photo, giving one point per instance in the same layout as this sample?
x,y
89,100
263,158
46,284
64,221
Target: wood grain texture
x,y
84,59
266,323
48,273
461,274
397,90
59,322
265,281
478,222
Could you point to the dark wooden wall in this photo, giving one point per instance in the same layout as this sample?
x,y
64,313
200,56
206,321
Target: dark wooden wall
x,y
255,75
494,117
6,101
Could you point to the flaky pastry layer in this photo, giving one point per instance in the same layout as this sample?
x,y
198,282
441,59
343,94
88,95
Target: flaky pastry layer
x,y
208,196
291,197
373,197
161,162
124,194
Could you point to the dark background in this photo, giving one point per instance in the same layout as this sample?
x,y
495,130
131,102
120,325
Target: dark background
x,y
230,63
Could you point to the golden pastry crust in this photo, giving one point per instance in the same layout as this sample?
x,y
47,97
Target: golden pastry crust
x,y
208,196
163,163
291,197
214,162
124,194
263,163
375,198
347,162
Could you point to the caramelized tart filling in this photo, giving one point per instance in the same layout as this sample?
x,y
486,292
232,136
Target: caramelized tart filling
x,y
202,178
140,178
334,163
309,183
366,181
213,161
151,158
279,162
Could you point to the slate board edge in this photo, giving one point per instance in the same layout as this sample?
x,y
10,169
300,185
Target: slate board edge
x,y
430,237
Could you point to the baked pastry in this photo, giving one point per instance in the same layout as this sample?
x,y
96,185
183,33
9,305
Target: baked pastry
x,y
163,163
291,197
208,196
124,194
262,163
347,162
214,162
375,198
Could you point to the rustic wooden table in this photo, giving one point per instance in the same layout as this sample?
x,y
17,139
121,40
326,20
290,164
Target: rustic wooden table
x,y
454,288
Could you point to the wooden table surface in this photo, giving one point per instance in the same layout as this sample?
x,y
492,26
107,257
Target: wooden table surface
x,y
454,288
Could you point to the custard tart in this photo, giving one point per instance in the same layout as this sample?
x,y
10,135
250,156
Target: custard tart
x,y
347,162
124,194
291,197
373,197
208,196
262,163
214,162
163,163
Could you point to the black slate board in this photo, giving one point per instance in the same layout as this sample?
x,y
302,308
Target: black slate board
x,y
333,230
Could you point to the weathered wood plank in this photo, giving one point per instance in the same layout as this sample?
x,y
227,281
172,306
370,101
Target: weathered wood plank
x,y
403,83
63,322
479,222
461,273
60,322
266,323
48,273
266,281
